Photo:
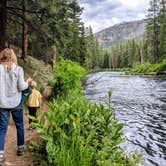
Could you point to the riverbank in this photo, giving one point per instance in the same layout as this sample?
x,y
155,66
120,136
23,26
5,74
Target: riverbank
x,y
108,69
140,104
76,132
150,69
73,132
143,69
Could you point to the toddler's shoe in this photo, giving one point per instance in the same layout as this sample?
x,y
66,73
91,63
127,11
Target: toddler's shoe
x,y
21,151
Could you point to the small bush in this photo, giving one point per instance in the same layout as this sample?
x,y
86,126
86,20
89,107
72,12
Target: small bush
x,y
162,67
141,68
150,68
68,76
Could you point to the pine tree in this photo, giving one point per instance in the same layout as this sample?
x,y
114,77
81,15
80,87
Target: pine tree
x,y
162,34
24,29
89,55
106,60
153,30
83,45
74,30
3,24
144,50
92,49
55,23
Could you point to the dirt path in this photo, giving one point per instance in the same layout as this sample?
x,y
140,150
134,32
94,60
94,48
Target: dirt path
x,y
11,145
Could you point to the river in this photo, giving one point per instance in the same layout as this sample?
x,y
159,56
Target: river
x,y
140,104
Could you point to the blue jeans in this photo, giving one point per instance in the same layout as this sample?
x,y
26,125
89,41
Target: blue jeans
x,y
17,114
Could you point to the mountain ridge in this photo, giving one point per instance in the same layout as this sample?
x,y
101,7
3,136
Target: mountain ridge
x,y
121,32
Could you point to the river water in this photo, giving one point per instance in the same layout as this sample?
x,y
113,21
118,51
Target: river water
x,y
140,104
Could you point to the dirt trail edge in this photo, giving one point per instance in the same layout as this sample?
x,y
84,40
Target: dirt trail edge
x,y
11,144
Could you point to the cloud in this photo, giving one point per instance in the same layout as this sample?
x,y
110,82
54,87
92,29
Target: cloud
x,y
101,14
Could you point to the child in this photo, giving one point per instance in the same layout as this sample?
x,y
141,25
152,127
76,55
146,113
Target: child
x,y
34,101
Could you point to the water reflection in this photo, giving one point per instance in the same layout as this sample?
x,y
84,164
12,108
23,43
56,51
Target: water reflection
x,y
140,104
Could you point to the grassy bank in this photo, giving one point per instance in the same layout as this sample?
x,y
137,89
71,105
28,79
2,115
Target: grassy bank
x,y
109,70
75,132
143,69
147,68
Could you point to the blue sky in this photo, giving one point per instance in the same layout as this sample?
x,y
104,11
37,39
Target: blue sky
x,y
100,14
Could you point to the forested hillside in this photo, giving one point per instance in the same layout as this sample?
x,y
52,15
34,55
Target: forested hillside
x,y
46,30
50,30
150,49
122,32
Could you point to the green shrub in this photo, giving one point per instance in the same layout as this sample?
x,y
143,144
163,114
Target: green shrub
x,y
141,68
153,68
149,68
77,133
68,75
162,67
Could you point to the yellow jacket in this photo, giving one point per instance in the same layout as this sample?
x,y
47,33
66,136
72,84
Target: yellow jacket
x,y
34,98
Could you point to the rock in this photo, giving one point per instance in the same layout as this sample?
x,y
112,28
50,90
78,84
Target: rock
x,y
121,33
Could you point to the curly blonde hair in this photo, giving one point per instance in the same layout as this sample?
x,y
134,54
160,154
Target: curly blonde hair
x,y
8,58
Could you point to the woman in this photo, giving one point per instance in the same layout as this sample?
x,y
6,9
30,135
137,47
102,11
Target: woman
x,y
11,85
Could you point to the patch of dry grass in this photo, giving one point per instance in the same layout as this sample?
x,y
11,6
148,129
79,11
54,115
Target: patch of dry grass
x,y
37,69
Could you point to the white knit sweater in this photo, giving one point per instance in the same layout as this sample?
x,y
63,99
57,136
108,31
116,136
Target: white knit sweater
x,y
11,85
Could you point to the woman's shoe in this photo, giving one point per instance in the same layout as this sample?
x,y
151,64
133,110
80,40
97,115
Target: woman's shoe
x,y
2,159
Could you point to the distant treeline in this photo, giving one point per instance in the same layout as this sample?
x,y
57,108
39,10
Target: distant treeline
x,y
150,49
53,29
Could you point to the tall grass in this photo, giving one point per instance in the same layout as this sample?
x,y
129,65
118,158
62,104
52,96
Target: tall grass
x,y
77,133
150,68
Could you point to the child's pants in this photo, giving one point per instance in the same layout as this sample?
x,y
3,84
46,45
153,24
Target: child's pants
x,y
17,114
32,112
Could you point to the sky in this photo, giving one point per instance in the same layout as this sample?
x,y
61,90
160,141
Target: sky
x,y
101,14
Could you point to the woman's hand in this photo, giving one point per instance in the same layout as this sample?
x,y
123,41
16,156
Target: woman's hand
x,y
29,80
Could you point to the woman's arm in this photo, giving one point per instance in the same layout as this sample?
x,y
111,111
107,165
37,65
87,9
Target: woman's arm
x,y
22,85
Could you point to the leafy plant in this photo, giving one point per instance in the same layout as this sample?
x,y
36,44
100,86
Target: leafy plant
x,y
148,68
76,132
68,76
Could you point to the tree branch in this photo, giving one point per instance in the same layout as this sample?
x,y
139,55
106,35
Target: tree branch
x,y
28,11
14,20
20,16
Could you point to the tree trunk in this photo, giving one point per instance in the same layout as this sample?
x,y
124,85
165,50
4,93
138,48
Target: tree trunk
x,y
155,43
24,31
141,56
3,24
155,33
